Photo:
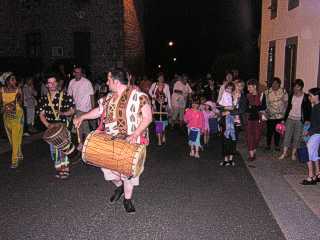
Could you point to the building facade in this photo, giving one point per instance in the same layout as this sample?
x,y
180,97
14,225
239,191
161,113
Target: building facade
x,y
290,42
97,34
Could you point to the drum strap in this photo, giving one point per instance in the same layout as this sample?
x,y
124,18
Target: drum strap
x,y
55,113
121,111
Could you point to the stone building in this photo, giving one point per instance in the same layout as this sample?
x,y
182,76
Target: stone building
x,y
97,34
290,40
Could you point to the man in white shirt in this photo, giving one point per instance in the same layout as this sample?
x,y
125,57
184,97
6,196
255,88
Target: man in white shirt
x,y
181,91
82,93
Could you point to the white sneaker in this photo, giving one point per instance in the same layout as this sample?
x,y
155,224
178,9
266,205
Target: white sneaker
x,y
26,134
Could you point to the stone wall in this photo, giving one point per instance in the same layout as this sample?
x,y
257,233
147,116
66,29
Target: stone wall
x,y
108,21
134,55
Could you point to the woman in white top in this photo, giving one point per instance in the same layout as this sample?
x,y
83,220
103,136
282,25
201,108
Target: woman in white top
x,y
166,90
297,114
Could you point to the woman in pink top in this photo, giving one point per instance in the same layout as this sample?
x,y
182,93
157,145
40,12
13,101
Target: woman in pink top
x,y
195,122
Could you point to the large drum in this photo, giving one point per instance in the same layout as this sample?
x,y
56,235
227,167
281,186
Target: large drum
x,y
60,137
101,150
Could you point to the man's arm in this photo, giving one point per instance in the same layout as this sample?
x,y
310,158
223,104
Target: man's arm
x,y
93,114
168,94
92,99
91,93
151,90
44,120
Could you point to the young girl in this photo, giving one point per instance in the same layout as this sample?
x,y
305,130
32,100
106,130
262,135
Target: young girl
x,y
314,140
160,107
228,125
195,122
210,113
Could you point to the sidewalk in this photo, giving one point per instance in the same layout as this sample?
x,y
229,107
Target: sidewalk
x,y
5,146
295,207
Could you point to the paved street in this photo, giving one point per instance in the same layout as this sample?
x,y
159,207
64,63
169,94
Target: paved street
x,y
178,198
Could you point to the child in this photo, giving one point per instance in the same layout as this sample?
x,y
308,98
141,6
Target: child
x,y
160,106
195,122
314,140
210,113
228,125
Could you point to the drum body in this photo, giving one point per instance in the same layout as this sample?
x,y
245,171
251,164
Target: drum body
x,y
101,150
60,137
193,134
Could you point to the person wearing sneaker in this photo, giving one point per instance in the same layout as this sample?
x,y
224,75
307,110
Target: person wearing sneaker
x,y
277,100
195,122
11,98
30,94
133,124
297,113
81,90
314,140
54,108
256,103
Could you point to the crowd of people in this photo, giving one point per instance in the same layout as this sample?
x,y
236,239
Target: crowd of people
x,y
203,106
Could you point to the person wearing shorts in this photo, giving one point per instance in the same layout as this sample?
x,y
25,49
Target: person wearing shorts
x,y
314,141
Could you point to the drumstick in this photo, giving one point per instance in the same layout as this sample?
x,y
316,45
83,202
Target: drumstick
x,y
165,113
78,135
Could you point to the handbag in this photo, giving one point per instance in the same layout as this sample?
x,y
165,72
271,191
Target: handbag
x,y
302,152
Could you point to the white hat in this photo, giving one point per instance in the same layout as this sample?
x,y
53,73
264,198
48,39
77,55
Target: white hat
x,y
210,104
4,76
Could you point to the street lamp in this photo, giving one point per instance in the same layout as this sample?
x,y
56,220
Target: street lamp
x,y
171,43
174,59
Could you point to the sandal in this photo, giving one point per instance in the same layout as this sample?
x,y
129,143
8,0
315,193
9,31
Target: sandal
x,y
225,163
62,175
309,181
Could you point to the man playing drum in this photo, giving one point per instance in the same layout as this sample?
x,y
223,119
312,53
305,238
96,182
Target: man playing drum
x,y
54,108
124,112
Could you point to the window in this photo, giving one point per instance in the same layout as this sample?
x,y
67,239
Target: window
x,y
271,62
273,9
28,4
33,45
293,4
290,63
57,51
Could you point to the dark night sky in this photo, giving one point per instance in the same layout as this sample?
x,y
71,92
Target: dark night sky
x,y
202,30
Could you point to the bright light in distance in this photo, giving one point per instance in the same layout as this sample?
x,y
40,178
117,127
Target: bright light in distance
x,y
159,66
174,59
170,43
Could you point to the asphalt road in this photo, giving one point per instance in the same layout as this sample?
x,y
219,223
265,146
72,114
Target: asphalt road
x,y
178,198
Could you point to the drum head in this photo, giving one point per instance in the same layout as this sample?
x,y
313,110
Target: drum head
x,y
84,148
138,162
53,131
